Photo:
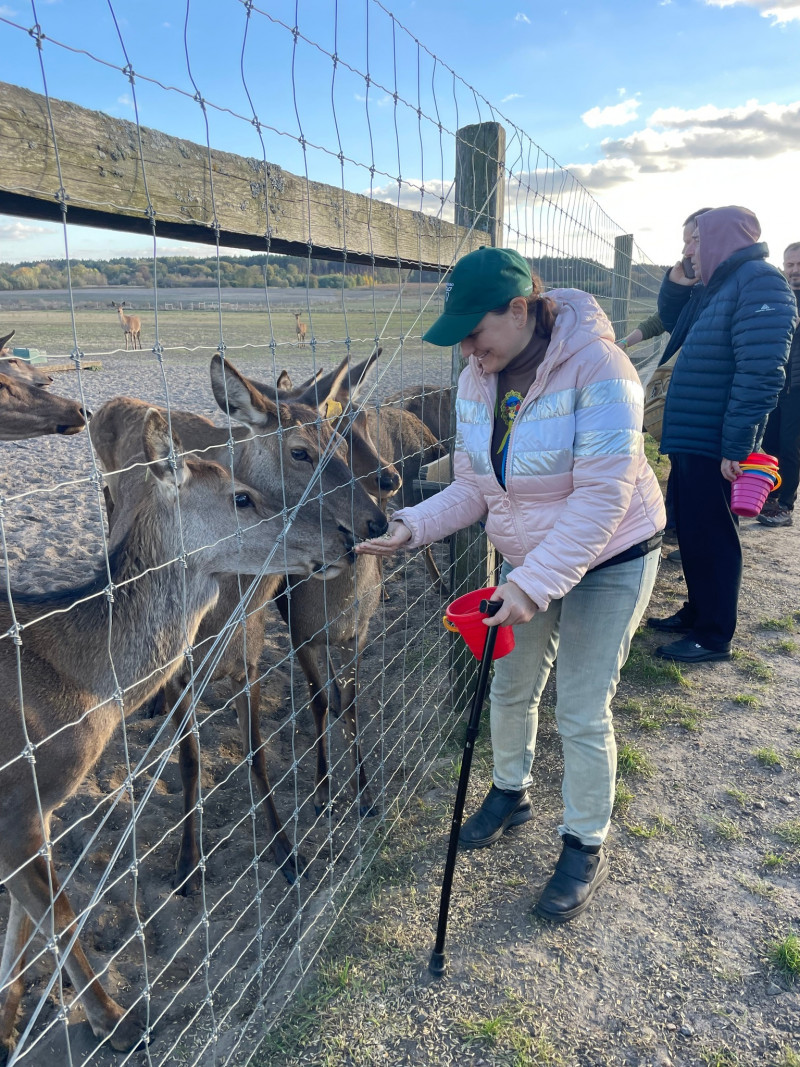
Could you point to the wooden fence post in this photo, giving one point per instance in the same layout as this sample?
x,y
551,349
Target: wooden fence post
x,y
621,283
480,194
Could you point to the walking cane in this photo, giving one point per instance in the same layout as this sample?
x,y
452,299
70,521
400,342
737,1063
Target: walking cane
x,y
488,607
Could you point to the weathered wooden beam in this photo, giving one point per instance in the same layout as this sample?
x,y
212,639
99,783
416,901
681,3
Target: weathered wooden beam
x,y
258,205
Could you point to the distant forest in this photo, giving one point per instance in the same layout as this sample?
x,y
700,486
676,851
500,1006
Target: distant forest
x,y
250,272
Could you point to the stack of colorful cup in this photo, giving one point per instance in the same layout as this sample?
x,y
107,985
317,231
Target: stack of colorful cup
x,y
758,479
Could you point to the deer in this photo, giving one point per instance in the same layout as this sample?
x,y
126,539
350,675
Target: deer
x,y
270,459
182,523
339,621
15,367
430,403
29,411
131,326
300,328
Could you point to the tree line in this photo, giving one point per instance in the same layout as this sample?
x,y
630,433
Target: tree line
x,y
281,272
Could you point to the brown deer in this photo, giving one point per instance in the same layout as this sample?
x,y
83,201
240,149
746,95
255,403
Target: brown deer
x,y
279,461
30,411
431,405
335,626
131,326
15,367
182,522
300,328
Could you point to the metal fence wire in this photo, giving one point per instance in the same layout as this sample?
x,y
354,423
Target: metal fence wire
x,y
212,717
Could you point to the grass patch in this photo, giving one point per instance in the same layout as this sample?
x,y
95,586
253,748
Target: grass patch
x,y
771,860
719,1057
631,760
669,711
657,827
747,699
727,830
786,645
622,798
643,669
758,887
738,795
768,757
751,665
789,832
785,956
785,623
789,1058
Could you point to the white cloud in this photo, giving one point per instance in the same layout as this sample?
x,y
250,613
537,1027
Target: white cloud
x,y
411,198
522,17
511,96
23,231
780,11
125,100
675,138
6,12
614,115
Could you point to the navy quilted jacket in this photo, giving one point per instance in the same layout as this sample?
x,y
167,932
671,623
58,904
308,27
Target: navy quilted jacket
x,y
731,367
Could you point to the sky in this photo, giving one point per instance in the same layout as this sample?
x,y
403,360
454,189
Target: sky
x,y
658,107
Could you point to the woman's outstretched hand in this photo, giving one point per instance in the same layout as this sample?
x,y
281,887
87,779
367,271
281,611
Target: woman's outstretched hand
x,y
395,537
517,606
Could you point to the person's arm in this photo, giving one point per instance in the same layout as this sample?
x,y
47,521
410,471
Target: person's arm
x,y
761,341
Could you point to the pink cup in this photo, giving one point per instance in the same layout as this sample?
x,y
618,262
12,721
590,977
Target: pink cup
x,y
749,494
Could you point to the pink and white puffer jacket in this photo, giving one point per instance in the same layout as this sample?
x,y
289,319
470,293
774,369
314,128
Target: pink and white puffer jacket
x,y
578,487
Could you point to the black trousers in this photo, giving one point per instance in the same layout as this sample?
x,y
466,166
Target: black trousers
x,y
711,553
782,439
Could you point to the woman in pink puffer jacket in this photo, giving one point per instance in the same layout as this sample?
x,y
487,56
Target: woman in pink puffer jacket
x,y
549,454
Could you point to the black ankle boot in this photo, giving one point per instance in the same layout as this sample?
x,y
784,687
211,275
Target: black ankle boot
x,y
501,810
579,873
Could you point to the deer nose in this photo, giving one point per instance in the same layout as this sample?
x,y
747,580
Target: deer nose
x,y
86,413
389,482
377,527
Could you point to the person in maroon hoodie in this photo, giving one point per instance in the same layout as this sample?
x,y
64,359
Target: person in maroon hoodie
x,y
782,437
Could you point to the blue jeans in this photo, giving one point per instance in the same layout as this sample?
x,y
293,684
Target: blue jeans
x,y
591,630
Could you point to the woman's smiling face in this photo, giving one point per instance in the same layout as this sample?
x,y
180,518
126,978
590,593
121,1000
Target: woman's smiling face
x,y
497,339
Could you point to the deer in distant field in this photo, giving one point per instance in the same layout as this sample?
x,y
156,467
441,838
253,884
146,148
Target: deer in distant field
x,y
131,325
182,525
300,327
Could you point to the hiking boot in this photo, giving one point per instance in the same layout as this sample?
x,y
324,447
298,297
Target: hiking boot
x,y
771,506
782,516
501,810
673,624
578,875
688,651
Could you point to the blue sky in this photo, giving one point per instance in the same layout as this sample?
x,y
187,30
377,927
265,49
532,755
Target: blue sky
x,y
658,106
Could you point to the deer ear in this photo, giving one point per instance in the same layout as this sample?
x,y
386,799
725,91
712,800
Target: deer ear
x,y
237,397
284,380
360,374
163,450
4,340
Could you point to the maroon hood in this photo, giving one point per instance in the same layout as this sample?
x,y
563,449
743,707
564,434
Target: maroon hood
x,y
724,231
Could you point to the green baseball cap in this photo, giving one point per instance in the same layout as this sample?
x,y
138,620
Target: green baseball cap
x,y
482,281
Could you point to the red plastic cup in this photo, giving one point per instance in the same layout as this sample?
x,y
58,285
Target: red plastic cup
x,y
465,617
749,494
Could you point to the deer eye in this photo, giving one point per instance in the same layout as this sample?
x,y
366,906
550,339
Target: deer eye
x,y
243,500
301,454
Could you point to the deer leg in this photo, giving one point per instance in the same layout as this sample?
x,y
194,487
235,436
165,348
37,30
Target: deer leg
x,y
12,981
31,887
348,684
248,706
187,867
319,709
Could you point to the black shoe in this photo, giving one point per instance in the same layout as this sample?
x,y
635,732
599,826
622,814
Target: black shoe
x,y
674,624
578,876
499,812
688,651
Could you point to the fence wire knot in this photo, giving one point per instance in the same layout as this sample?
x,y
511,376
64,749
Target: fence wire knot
x,y
29,752
129,74
36,32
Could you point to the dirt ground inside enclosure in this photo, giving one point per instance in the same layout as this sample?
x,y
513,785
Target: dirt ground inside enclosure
x,y
676,962
243,956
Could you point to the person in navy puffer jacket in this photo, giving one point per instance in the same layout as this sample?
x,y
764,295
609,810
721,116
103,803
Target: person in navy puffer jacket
x,y
726,381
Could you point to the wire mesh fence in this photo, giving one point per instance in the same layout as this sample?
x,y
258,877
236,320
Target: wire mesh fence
x,y
212,714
